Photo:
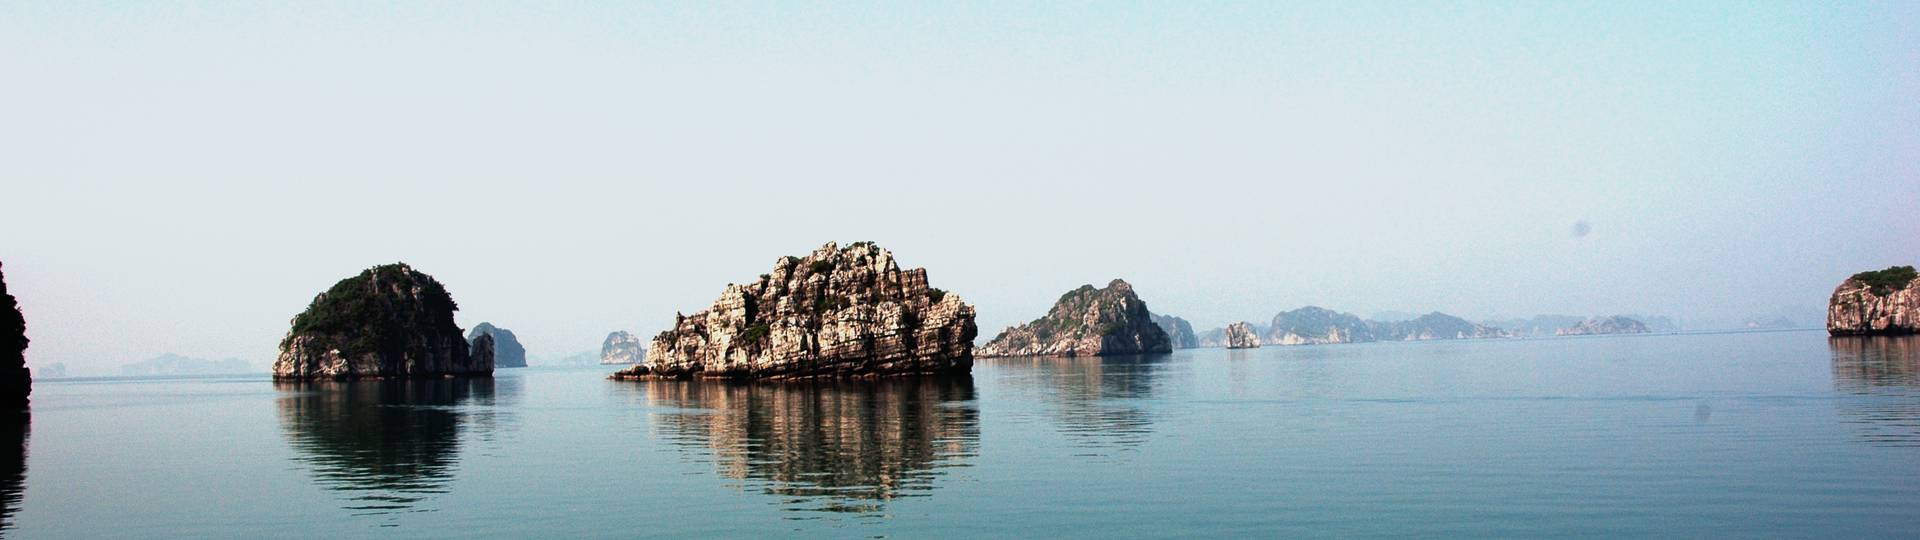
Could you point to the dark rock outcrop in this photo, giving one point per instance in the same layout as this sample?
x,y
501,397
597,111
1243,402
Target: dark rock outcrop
x,y
15,381
1616,324
838,312
507,351
622,348
1240,335
1314,325
389,321
1179,331
1881,302
1086,322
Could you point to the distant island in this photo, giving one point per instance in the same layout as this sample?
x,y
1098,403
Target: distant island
x,y
1179,331
837,312
508,352
622,348
390,321
1879,302
1616,324
174,364
1086,322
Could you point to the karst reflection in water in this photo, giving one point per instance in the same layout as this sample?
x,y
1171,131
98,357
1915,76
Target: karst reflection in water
x,y
1095,401
13,466
1883,373
389,444
837,446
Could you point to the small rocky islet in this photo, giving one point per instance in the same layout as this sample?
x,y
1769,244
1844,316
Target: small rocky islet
x,y
16,382
1086,322
1240,335
390,321
1875,303
837,312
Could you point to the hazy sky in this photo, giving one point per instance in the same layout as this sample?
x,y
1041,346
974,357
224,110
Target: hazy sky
x,y
185,177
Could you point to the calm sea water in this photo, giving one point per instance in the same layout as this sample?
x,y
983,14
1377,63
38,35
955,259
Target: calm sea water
x,y
1743,435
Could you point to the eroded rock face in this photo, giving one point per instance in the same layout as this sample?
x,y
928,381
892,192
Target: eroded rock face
x,y
622,348
1604,325
1240,335
1179,331
389,321
508,353
838,312
15,381
1883,302
1086,322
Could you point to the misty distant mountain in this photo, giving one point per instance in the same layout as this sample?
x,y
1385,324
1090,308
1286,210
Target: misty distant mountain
x,y
582,358
1536,326
173,364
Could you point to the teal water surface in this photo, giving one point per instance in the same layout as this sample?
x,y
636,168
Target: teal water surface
x,y
1785,434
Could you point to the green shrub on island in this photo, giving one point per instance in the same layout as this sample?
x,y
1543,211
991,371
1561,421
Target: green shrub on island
x,y
1885,282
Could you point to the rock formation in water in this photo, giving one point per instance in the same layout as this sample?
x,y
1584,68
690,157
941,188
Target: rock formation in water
x,y
1086,322
389,321
622,348
507,350
1880,302
1240,335
15,381
838,312
1616,324
1314,325
1179,332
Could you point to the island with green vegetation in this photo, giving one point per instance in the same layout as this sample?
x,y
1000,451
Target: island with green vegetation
x,y
390,321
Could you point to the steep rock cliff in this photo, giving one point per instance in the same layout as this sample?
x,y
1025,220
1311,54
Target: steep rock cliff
x,y
15,381
1881,302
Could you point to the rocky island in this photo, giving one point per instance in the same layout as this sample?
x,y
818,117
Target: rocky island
x,y
622,348
1616,324
1179,331
16,383
1880,302
1240,335
1432,326
389,321
508,352
1086,322
838,312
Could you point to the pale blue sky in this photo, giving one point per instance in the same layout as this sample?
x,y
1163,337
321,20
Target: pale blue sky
x,y
185,176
